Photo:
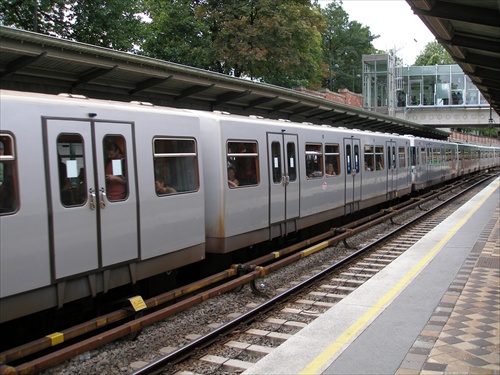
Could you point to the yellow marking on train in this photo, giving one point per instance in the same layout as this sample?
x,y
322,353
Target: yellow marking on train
x,y
56,338
315,366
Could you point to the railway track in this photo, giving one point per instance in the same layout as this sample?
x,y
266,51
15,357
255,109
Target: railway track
x,y
268,332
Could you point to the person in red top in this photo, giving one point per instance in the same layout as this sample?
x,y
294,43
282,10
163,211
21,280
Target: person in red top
x,y
116,185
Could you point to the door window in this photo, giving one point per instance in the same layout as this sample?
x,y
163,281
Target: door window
x,y
115,166
71,170
276,160
291,161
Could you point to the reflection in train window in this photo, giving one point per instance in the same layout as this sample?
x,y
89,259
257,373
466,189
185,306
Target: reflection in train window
x,y
243,157
9,193
314,160
175,165
332,160
71,168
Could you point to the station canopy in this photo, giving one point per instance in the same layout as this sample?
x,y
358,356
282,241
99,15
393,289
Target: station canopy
x,y
470,31
40,63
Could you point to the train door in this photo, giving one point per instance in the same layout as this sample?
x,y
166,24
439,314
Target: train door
x,y
352,189
391,168
283,173
93,221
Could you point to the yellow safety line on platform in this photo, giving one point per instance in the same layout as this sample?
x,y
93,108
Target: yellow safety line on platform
x,y
315,366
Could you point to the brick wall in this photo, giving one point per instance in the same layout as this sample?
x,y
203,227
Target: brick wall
x,y
344,96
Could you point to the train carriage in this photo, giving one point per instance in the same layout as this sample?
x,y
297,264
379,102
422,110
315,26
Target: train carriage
x,y
75,221
292,176
432,162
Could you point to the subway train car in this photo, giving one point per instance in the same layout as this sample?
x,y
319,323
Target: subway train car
x,y
291,176
432,161
98,194
76,216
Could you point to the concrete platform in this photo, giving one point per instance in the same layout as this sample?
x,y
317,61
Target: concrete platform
x,y
434,310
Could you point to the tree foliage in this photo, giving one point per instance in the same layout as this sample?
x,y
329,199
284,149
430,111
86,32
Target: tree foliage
x,y
434,54
281,42
275,41
114,24
344,43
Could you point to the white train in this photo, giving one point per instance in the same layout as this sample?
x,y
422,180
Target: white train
x,y
98,194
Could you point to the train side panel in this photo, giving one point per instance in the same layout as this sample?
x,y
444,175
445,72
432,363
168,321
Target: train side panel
x,y
169,151
24,240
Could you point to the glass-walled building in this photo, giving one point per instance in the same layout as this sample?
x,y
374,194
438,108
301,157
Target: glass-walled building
x,y
437,85
388,88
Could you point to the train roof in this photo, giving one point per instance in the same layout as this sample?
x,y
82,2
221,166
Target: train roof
x,y
40,63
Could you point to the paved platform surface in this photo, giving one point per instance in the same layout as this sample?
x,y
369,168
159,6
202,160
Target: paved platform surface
x,y
462,335
434,310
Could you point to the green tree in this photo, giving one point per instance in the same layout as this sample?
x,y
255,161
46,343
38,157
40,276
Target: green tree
x,y
434,54
176,34
114,24
274,41
344,43
42,16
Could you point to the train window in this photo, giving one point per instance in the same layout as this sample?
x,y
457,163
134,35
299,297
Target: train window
x,y
402,157
379,158
8,176
332,160
356,158
348,158
369,158
243,157
291,161
115,166
276,162
314,160
436,156
391,155
175,165
423,155
71,168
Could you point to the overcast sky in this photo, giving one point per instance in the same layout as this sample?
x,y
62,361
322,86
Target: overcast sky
x,y
394,21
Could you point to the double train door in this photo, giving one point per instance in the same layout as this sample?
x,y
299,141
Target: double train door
x,y
283,177
352,147
92,195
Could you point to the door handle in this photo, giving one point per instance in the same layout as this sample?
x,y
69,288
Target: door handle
x,y
102,202
91,199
